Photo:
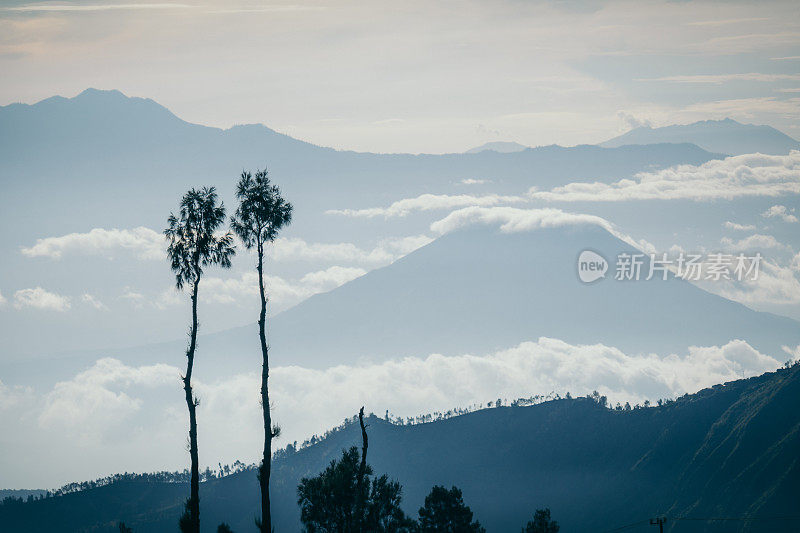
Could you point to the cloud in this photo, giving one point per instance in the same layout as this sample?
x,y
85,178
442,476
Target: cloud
x,y
141,407
739,227
719,79
776,285
11,397
724,22
91,403
143,242
66,8
513,220
387,250
473,181
745,108
94,302
631,122
780,211
134,296
243,290
3,300
753,242
38,298
732,177
427,202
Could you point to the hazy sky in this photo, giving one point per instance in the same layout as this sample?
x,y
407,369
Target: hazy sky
x,y
417,76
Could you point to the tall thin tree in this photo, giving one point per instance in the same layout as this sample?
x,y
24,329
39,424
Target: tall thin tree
x,y
262,212
193,245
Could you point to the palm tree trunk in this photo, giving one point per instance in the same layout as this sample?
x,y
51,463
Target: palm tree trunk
x,y
193,505
264,471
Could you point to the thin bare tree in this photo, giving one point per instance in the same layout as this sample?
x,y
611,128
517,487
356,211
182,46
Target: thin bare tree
x,y
262,212
192,246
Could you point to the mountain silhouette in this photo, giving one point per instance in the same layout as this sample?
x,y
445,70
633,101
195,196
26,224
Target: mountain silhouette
x,y
475,291
502,147
100,155
725,452
722,136
478,289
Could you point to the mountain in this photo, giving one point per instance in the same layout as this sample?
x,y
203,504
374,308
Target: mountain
x,y
721,136
479,289
83,138
103,159
475,290
503,147
726,452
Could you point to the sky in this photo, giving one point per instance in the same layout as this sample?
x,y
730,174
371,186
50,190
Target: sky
x,y
417,76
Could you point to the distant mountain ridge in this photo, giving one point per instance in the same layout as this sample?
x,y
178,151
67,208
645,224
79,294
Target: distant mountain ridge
x,y
82,138
728,451
503,147
104,159
721,136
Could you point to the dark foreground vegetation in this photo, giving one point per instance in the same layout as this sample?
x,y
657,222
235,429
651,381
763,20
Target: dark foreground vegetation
x,y
726,452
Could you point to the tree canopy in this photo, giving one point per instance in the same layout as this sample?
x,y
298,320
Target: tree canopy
x,y
445,512
541,523
329,502
262,211
193,243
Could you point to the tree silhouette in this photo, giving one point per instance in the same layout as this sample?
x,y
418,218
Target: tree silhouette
x,y
123,528
344,499
262,212
192,246
224,528
445,512
541,523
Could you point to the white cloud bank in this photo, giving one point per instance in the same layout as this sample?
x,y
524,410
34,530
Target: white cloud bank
x,y
386,251
95,401
94,302
513,220
729,178
38,298
781,212
739,227
757,241
776,285
427,202
243,290
281,291
140,409
143,242
148,244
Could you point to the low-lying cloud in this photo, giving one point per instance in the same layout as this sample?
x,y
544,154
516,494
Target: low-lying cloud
x,y
243,289
781,212
739,227
39,298
427,202
514,220
386,251
729,178
140,408
143,242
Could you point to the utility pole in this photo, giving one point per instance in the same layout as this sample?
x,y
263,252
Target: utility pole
x,y
659,522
